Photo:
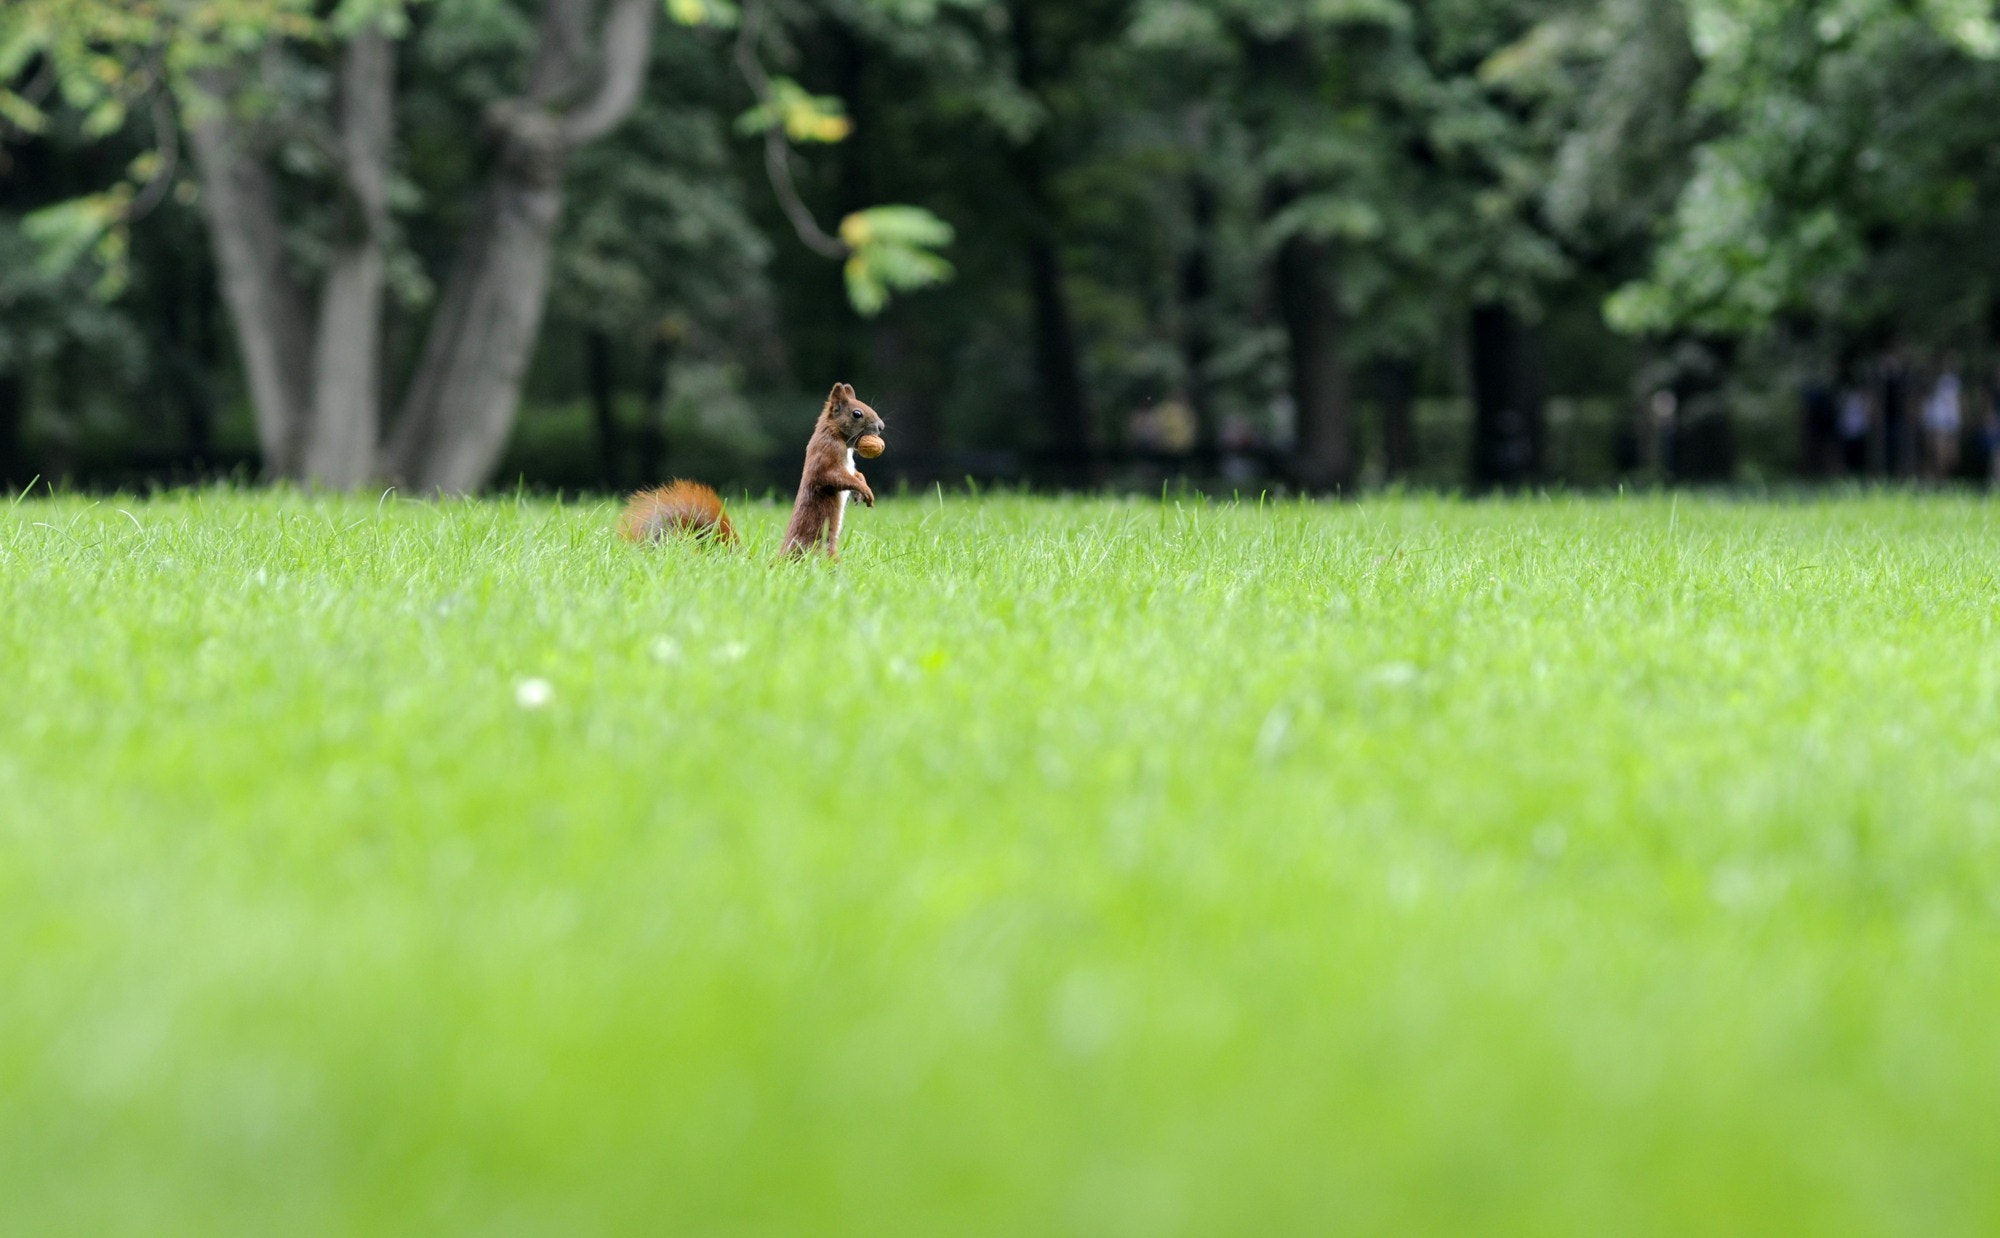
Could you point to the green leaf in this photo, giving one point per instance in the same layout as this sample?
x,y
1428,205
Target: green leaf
x,y
65,232
1971,24
22,114
806,117
898,225
702,12
891,250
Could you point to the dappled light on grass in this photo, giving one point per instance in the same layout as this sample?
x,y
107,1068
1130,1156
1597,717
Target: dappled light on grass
x,y
1043,866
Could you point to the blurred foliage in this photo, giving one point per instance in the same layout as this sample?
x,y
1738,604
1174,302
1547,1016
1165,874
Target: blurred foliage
x,y
890,250
804,117
47,310
1760,184
1850,175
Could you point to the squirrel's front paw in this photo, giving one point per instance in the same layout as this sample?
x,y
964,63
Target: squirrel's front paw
x,y
868,497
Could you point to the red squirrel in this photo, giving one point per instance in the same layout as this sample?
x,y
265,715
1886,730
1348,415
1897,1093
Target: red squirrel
x,y
829,476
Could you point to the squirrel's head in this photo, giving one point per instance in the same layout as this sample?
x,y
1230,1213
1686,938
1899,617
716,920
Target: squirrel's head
x,y
848,417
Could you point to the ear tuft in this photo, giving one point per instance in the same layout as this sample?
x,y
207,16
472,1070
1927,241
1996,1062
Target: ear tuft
x,y
843,391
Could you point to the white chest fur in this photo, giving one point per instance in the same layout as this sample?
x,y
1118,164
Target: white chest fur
x,y
840,512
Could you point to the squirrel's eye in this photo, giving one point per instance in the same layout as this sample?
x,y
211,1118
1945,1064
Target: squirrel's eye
x,y
853,412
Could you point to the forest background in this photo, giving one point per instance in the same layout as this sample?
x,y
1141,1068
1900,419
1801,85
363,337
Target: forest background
x,y
1307,245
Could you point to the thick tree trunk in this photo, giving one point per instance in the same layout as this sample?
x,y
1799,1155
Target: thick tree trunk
x,y
1507,422
854,337
240,206
900,376
908,399
1058,367
205,349
347,348
460,408
1058,362
186,350
1398,378
314,384
1196,284
1322,386
315,381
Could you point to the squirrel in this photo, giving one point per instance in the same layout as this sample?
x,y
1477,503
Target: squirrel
x,y
692,508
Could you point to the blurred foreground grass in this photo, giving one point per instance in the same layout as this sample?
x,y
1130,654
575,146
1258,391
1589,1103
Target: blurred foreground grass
x,y
1096,867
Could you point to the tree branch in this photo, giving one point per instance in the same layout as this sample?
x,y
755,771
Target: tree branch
x,y
627,44
240,203
340,439
366,120
778,152
167,136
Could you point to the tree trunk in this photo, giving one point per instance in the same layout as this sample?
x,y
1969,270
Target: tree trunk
x,y
185,350
205,351
1322,387
347,348
909,392
1196,285
316,381
314,385
1398,377
240,206
1058,365
460,407
901,377
854,337
1507,423
1058,369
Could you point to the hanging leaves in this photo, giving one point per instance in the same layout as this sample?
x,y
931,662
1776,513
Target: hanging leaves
x,y
702,12
805,117
93,225
892,249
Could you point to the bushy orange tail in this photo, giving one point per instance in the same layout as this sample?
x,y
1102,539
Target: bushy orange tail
x,y
680,507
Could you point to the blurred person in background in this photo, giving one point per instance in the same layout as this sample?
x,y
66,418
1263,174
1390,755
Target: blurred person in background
x,y
1943,421
1164,429
1663,411
1241,446
1854,423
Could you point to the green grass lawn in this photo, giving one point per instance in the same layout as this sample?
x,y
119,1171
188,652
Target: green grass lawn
x,y
1590,866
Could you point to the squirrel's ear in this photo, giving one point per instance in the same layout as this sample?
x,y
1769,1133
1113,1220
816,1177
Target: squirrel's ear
x,y
842,391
